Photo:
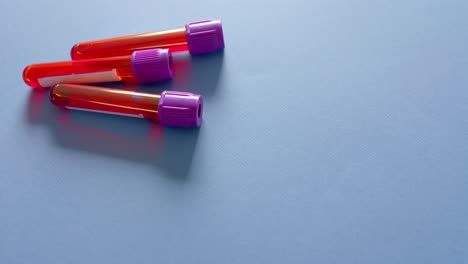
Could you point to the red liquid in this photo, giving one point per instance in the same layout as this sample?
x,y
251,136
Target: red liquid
x,y
174,40
104,69
106,100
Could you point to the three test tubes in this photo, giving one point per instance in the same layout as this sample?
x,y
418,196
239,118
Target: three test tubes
x,y
140,58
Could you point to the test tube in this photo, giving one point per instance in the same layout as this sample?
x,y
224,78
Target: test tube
x,y
170,108
196,37
144,66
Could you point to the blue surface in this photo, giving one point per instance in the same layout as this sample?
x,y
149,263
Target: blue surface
x,y
334,132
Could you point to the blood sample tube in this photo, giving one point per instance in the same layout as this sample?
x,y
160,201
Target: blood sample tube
x,y
197,37
170,108
140,67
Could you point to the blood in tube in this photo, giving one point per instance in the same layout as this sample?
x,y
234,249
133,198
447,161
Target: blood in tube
x,y
170,108
143,66
196,37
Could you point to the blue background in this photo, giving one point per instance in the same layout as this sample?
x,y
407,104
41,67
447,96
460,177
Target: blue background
x,y
335,132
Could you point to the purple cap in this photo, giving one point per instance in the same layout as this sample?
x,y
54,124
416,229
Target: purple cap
x,y
204,36
152,65
180,109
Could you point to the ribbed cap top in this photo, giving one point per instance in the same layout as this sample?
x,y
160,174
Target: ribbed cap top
x,y
152,65
180,109
204,36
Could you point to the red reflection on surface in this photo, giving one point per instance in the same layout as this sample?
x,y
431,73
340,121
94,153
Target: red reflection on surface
x,y
35,107
147,137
